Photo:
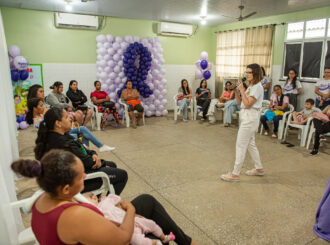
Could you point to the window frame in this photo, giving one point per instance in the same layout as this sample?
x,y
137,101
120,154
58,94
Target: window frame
x,y
302,41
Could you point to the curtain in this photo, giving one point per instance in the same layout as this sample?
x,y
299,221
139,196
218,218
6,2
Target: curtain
x,y
236,49
10,220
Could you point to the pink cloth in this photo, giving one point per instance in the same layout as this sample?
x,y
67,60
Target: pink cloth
x,y
226,94
276,99
142,226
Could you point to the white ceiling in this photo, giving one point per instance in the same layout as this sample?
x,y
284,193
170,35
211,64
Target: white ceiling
x,y
185,11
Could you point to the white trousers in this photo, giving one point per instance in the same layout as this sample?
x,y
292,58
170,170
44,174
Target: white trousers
x,y
246,139
211,109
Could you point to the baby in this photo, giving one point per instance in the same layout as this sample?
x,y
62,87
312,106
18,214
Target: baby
x,y
302,117
111,208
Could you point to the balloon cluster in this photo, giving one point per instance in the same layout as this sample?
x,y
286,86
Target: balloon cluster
x,y
21,123
130,58
18,64
204,67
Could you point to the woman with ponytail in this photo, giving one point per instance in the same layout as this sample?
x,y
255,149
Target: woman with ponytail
x,y
53,134
36,111
58,219
292,87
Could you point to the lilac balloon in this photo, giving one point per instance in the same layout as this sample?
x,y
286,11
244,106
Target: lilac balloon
x,y
111,51
110,38
119,39
14,51
199,74
164,91
164,112
158,113
111,63
120,63
101,51
152,107
102,63
20,63
148,113
123,80
210,66
101,38
103,75
99,45
152,97
104,86
121,74
107,69
146,107
112,87
157,102
198,64
116,57
151,86
124,45
106,45
164,101
112,95
204,55
99,57
160,107
117,80
136,39
23,125
108,81
128,39
112,75
115,46
116,69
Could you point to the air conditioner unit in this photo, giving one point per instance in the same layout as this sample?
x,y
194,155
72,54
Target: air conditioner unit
x,y
76,21
173,29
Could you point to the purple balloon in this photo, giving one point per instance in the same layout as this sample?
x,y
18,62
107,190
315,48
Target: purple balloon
x,y
198,64
15,76
23,125
199,74
204,64
207,74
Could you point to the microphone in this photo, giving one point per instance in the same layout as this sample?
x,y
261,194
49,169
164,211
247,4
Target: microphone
x,y
243,80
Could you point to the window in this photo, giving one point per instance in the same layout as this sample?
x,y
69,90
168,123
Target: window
x,y
307,45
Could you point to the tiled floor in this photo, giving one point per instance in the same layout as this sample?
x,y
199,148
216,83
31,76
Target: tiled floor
x,y
180,164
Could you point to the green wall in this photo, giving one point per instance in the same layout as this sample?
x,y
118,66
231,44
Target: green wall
x,y
278,44
41,42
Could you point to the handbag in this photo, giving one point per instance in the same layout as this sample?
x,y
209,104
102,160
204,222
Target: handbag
x,y
320,116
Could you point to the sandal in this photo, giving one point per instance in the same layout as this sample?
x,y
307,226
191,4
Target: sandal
x,y
229,177
254,172
227,125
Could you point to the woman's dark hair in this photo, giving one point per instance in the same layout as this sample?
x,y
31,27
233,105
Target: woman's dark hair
x,y
56,85
293,80
185,92
263,70
256,72
226,85
55,169
31,104
51,116
71,82
200,85
128,81
32,92
96,83
277,86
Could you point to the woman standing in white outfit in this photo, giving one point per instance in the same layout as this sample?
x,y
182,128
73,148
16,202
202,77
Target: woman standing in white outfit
x,y
251,102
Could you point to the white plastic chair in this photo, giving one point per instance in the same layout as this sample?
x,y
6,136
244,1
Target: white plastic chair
x,y
303,129
126,115
176,108
196,107
26,236
310,135
97,116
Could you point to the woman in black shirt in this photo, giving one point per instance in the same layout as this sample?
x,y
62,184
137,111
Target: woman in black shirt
x,y
78,99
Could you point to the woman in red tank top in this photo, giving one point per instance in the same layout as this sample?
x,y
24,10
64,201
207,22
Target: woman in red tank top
x,y
59,220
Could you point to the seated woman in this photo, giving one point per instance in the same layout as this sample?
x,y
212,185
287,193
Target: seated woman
x,y
35,115
227,95
203,96
131,96
53,134
58,100
78,99
278,104
58,219
184,99
292,87
322,90
265,82
102,100
36,91
321,127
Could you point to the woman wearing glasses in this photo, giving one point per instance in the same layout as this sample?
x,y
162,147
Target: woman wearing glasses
x,y
251,102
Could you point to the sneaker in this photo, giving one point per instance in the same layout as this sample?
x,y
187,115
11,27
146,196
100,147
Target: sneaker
x,y
105,148
266,133
254,172
322,138
179,112
185,120
209,114
229,177
202,119
314,152
200,114
274,135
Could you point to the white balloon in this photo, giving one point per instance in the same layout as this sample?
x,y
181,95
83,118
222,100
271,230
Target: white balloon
x,y
158,113
136,38
152,107
157,102
116,69
121,74
112,95
106,45
101,38
110,38
20,63
117,80
111,51
99,68
146,107
124,45
112,75
151,86
164,91
111,63
107,69
164,112
152,97
128,39
123,80
99,45
164,101
102,63
119,39
148,113
115,46
108,81
101,51
103,86
99,57
116,57
120,63
103,75
117,104
160,107
112,87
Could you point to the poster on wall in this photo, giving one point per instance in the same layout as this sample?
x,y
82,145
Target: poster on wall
x,y
20,88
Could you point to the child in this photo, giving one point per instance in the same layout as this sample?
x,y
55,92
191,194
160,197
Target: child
x,y
302,117
111,208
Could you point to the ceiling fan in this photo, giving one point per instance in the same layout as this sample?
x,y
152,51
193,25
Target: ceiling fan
x,y
241,17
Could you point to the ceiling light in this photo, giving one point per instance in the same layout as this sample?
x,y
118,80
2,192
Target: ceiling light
x,y
68,7
203,22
